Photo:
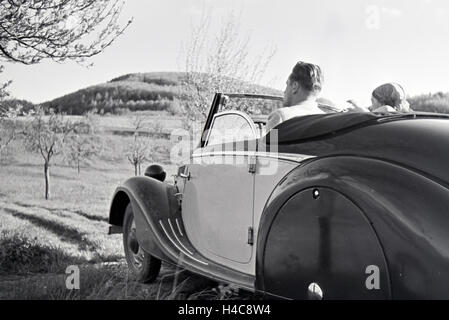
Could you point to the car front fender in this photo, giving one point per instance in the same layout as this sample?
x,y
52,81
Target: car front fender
x,y
151,202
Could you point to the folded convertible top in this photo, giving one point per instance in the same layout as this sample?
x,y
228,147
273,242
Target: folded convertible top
x,y
319,126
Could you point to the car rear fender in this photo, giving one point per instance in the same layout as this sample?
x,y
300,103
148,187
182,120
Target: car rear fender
x,y
398,212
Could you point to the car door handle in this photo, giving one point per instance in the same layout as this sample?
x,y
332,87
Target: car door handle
x,y
185,176
252,165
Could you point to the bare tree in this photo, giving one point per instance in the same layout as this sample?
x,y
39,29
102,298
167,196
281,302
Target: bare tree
x,y
80,148
46,135
8,125
32,30
138,152
91,117
220,64
82,143
3,94
7,132
10,128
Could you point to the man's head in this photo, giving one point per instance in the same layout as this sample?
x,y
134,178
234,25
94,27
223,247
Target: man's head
x,y
303,83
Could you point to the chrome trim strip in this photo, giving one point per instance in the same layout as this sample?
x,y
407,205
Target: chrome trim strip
x,y
281,156
254,96
182,245
179,227
223,153
181,250
285,156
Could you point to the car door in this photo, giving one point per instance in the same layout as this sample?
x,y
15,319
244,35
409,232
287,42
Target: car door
x,y
218,195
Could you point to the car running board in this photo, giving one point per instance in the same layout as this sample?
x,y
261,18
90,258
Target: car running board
x,y
173,232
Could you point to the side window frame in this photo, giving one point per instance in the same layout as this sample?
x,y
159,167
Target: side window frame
x,y
232,112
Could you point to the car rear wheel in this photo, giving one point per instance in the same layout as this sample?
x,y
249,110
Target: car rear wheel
x,y
145,267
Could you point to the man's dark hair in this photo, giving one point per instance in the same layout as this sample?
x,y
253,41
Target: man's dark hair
x,y
308,75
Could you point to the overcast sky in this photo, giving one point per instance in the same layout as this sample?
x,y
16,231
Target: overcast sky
x,y
359,44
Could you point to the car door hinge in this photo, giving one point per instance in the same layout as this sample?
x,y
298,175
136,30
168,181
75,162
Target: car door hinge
x,y
250,236
252,166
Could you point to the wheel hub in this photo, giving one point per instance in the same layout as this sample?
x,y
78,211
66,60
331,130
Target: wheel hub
x,y
135,249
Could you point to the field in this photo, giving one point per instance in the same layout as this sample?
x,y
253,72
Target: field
x,y
40,238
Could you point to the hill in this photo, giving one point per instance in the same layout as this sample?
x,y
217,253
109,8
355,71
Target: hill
x,y
148,91
156,91
165,91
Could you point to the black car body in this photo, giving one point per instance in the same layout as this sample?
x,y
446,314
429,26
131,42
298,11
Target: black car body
x,y
360,211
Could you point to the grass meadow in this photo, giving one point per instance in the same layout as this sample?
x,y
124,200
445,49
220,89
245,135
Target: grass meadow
x,y
40,238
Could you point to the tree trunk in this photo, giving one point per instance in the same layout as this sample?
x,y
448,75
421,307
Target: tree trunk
x,y
78,165
135,169
47,180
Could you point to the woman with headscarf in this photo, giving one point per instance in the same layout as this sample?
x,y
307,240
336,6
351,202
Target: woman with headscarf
x,y
389,97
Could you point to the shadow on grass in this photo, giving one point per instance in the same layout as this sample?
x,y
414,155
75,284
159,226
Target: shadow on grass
x,y
59,210
91,217
65,233
40,173
7,159
21,255
25,165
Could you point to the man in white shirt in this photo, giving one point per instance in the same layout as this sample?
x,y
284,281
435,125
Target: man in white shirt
x,y
303,88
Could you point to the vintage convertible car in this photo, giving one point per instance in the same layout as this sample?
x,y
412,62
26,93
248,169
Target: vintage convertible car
x,y
332,206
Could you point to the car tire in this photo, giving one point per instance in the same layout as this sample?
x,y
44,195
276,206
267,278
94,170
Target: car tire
x,y
143,265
